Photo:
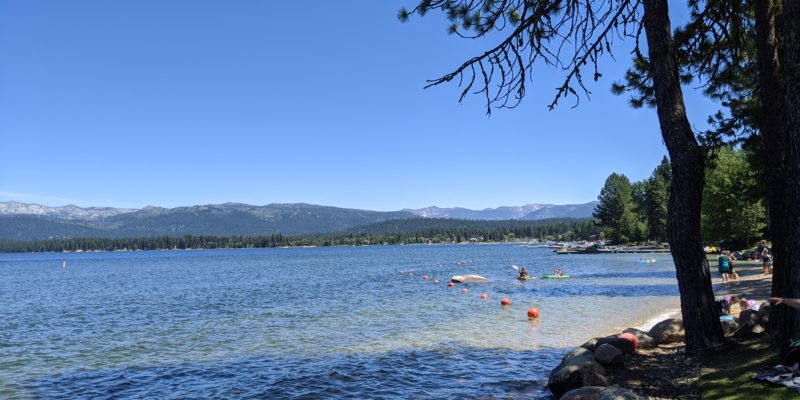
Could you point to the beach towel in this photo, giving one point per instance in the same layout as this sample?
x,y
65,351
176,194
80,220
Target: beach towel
x,y
780,375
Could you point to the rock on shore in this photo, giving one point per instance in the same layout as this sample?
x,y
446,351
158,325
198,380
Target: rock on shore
x,y
578,369
582,373
600,393
668,331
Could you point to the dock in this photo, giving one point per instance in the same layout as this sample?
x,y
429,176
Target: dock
x,y
619,250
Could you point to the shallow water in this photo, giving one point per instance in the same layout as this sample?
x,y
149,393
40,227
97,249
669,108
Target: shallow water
x,y
309,323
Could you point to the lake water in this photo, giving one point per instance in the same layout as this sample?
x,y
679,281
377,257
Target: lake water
x,y
309,323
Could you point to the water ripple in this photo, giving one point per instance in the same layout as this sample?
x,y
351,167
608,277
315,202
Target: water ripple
x,y
307,323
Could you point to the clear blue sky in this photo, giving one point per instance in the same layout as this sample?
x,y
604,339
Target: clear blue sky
x,y
169,103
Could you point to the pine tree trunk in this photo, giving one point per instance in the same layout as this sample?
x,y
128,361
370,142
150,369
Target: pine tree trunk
x,y
773,130
700,320
791,77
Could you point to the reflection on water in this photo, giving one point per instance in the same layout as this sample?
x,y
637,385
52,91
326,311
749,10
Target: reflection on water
x,y
308,323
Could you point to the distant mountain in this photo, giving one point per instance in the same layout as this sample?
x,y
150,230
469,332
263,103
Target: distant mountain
x,y
32,222
22,221
549,211
526,212
65,212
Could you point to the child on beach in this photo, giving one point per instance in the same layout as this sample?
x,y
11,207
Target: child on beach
x,y
766,261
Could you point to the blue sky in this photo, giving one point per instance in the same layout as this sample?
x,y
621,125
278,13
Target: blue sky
x,y
134,103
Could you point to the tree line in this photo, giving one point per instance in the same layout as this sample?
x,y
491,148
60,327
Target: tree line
x,y
393,232
733,214
634,211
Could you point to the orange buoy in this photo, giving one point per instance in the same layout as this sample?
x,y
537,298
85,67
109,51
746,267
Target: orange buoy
x,y
533,313
464,290
484,296
505,301
451,284
632,338
424,277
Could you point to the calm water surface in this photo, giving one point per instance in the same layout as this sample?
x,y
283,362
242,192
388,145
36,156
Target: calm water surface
x,y
309,323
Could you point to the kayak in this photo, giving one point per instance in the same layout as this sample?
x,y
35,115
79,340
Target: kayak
x,y
526,278
555,276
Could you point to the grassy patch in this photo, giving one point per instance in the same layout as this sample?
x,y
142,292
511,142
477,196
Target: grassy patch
x,y
726,374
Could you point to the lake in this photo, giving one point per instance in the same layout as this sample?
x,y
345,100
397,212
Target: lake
x,y
310,323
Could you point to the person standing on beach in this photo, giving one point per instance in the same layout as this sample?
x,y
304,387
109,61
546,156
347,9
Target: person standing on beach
x,y
732,275
724,266
766,260
761,246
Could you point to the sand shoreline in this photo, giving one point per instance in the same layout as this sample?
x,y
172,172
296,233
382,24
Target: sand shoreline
x,y
682,382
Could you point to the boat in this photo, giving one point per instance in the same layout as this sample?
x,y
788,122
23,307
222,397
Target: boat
x,y
526,277
555,276
598,249
469,278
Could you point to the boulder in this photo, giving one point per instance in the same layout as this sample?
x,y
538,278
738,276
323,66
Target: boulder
x,y
469,278
624,345
584,393
578,369
608,355
729,326
576,352
645,341
590,345
668,331
617,393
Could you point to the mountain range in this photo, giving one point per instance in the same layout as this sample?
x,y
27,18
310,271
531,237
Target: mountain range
x,y
23,221
526,212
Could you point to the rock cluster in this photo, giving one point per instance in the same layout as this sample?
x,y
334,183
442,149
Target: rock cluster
x,y
581,374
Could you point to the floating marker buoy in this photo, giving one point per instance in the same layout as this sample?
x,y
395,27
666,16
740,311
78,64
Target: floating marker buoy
x,y
435,281
632,338
451,284
533,313
464,290
410,273
484,296
505,301
424,277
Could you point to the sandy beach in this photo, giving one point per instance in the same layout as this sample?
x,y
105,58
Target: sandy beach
x,y
752,283
666,372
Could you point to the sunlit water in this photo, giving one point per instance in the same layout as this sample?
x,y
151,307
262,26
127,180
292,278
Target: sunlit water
x,y
309,323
